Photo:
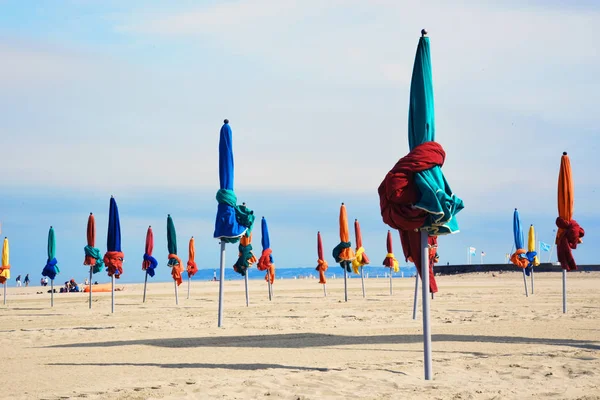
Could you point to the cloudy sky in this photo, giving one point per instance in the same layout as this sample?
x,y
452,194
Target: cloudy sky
x,y
127,98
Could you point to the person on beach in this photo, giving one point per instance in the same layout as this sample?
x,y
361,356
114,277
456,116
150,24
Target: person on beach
x,y
18,280
26,280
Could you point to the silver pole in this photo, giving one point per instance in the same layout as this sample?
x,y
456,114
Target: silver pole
x,y
425,306
416,299
362,281
51,292
145,283
525,283
246,283
531,279
269,289
324,291
221,281
4,293
391,291
189,284
345,284
176,293
564,287
91,268
112,295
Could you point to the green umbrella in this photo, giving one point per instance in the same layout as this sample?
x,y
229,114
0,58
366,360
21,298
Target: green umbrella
x,y
51,268
174,260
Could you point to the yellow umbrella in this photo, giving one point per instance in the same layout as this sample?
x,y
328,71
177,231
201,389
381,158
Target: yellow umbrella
x,y
5,268
532,255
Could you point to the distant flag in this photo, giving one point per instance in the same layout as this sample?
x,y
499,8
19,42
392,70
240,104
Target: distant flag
x,y
545,246
472,250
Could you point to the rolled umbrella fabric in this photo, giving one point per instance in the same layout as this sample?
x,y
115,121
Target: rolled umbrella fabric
x,y
174,261
532,257
113,258
245,257
265,262
192,267
232,220
93,257
519,257
361,258
5,267
415,194
321,263
390,260
149,263
569,233
343,253
51,268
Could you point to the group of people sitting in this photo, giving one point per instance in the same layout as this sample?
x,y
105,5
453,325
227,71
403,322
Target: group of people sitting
x,y
70,286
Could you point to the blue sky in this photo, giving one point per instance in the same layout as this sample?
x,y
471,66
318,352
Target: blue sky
x,y
127,98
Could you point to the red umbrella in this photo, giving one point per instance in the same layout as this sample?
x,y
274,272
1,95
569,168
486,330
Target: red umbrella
x,y
149,264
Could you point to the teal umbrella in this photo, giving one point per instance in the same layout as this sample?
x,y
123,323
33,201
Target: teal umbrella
x,y
174,261
51,268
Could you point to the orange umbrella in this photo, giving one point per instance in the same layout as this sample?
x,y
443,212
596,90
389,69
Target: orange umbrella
x,y
192,267
321,263
343,253
569,232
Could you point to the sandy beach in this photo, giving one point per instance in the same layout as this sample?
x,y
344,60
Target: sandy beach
x,y
489,342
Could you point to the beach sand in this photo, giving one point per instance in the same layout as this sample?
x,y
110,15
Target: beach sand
x,y
489,341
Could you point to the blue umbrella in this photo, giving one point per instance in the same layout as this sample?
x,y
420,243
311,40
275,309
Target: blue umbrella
x,y
232,220
265,262
519,258
113,259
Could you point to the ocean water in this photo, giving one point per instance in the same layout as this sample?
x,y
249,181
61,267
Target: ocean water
x,y
301,273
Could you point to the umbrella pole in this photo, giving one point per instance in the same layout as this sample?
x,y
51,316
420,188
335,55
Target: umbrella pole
x,y
246,284
564,287
531,280
51,292
221,280
324,290
145,284
269,289
189,284
4,293
176,293
416,299
345,284
425,303
112,294
91,268
362,281
525,283
391,290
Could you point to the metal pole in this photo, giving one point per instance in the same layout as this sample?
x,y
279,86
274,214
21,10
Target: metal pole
x,y
189,284
176,293
345,283
246,283
324,291
91,268
362,281
425,305
564,287
525,283
4,293
51,292
112,295
391,290
532,279
145,283
416,299
221,281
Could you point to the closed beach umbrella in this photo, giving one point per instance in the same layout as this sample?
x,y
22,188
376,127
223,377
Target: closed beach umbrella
x,y
321,263
93,257
390,260
361,258
113,259
569,233
245,256
532,255
519,257
232,221
51,268
343,253
5,267
192,267
415,196
149,263
265,262
174,261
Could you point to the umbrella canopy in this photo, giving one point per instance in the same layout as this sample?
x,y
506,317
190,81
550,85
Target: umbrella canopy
x,y
192,267
93,258
390,260
245,256
321,263
265,262
361,258
343,253
519,258
415,194
150,263
174,260
5,267
51,268
570,233
232,220
532,257
113,259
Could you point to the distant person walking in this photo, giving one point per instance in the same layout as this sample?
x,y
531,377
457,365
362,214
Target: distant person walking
x,y
18,280
26,280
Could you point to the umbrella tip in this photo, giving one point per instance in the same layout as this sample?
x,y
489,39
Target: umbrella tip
x,y
515,209
564,153
90,213
226,121
192,237
342,203
111,196
149,226
423,32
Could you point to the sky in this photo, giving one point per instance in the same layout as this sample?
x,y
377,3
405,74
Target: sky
x,y
101,98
